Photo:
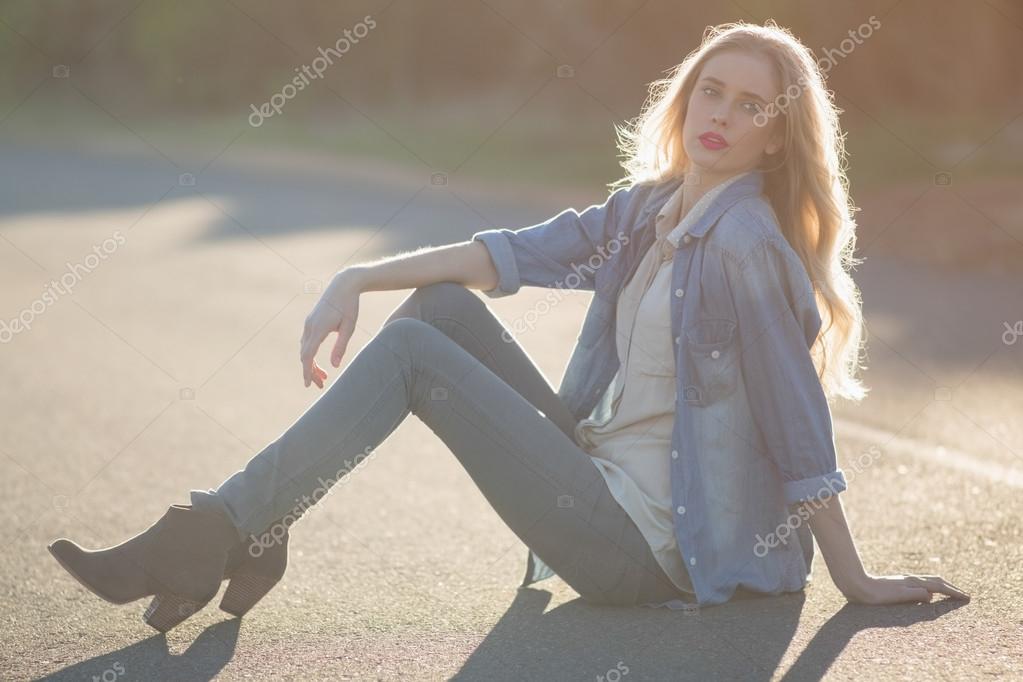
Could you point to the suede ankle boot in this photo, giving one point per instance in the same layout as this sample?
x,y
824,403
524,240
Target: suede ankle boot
x,y
254,566
180,560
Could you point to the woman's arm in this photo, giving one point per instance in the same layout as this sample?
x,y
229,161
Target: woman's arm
x,y
467,263
828,524
829,527
778,320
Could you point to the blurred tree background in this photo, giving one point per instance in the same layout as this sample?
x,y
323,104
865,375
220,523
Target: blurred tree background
x,y
501,90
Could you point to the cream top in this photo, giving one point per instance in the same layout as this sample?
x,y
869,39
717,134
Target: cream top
x,y
628,433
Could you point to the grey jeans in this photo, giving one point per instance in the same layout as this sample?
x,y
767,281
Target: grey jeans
x,y
444,356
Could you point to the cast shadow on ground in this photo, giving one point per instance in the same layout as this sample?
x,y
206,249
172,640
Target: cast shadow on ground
x,y
150,659
743,639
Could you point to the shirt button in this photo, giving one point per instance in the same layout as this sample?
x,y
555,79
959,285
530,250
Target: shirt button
x,y
677,339
692,561
679,292
715,354
674,454
686,239
681,509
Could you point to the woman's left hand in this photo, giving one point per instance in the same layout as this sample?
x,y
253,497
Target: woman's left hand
x,y
897,589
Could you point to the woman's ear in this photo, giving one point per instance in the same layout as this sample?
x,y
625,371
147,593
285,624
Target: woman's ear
x,y
777,140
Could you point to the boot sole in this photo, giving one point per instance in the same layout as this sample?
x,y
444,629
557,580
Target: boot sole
x,y
244,591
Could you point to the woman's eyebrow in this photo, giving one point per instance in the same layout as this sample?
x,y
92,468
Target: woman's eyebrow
x,y
723,84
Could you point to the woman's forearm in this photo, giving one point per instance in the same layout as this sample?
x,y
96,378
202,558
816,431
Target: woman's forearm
x,y
466,263
829,527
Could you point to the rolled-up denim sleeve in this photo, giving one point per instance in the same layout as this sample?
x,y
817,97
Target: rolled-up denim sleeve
x,y
564,251
778,322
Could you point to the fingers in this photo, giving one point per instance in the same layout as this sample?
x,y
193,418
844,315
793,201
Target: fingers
x,y
935,583
304,356
307,367
318,375
311,372
344,333
945,587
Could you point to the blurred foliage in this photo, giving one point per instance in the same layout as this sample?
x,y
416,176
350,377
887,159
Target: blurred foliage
x,y
470,87
211,55
934,85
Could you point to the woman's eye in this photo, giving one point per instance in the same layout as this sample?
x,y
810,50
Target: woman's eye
x,y
755,108
712,90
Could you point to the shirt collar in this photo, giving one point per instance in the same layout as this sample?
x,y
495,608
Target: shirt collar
x,y
666,199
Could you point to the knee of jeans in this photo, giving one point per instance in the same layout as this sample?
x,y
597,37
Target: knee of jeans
x,y
407,330
447,299
432,300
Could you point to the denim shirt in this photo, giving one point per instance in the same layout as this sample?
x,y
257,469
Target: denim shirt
x,y
753,441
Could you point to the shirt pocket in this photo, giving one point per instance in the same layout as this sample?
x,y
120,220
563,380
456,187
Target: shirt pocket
x,y
712,353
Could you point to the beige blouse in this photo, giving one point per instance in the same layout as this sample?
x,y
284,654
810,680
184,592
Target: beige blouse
x,y
628,433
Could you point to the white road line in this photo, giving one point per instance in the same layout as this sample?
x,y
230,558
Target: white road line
x,y
932,454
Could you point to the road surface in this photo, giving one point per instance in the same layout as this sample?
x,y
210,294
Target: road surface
x,y
174,357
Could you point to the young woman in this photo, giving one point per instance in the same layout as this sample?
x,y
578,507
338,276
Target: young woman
x,y
689,451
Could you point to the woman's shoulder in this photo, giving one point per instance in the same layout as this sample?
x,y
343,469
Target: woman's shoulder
x,y
640,197
748,227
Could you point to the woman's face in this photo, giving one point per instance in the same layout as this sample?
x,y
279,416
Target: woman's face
x,y
720,134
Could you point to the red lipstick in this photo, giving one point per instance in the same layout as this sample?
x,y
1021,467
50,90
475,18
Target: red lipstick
x,y
713,141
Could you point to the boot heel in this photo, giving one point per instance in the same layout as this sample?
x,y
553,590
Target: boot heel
x,y
168,610
244,591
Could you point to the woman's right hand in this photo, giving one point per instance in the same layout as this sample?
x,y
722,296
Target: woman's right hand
x,y
336,311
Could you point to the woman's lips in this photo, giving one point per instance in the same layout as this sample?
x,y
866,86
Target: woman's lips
x,y
712,141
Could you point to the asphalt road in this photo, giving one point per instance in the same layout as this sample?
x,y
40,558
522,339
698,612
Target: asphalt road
x,y
175,357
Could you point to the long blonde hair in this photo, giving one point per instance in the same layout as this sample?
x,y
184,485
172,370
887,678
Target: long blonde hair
x,y
807,187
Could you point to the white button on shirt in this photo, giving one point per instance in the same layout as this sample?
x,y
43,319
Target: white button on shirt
x,y
629,432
